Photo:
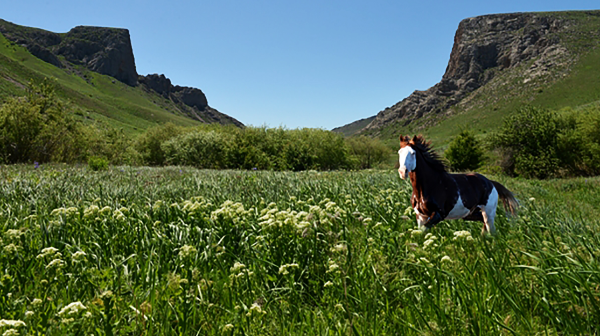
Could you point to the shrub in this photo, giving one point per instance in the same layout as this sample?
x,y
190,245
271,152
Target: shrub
x,y
97,163
366,152
202,149
465,152
38,127
528,142
149,144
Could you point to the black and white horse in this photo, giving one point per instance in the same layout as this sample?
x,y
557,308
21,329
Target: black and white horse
x,y
439,195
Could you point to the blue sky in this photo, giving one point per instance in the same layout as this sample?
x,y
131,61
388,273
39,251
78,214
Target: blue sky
x,y
285,63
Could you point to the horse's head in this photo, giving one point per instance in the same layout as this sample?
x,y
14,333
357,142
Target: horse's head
x,y
408,157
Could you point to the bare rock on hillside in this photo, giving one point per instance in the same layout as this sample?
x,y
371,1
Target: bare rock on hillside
x,y
481,43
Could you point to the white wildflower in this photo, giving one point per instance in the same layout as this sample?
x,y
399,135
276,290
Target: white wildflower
x,y
72,308
78,256
36,302
283,269
237,267
227,327
255,309
29,313
463,234
58,263
48,251
446,259
11,332
12,323
327,284
186,251
339,306
339,248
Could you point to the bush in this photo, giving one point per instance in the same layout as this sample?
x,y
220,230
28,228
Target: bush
x,y
97,163
366,152
38,127
528,143
149,144
465,152
201,149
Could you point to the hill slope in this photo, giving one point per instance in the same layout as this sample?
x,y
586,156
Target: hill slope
x,y
94,69
498,63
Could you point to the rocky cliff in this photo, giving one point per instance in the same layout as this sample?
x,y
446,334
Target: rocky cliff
x,y
485,47
190,100
108,51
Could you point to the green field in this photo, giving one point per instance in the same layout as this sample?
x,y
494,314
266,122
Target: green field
x,y
179,251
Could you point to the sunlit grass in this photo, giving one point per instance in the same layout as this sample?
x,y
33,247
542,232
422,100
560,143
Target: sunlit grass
x,y
182,251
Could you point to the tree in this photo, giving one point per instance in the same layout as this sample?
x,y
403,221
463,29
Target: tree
x,y
528,143
465,152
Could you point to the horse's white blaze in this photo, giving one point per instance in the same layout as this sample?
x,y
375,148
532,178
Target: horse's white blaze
x,y
421,219
408,161
458,211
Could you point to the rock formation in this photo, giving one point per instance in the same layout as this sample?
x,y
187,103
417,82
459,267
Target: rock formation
x,y
482,43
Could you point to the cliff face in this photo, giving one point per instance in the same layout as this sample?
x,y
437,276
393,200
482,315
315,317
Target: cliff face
x,y
108,51
491,42
190,100
104,50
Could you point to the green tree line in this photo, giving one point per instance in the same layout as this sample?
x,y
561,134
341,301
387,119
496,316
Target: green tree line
x,y
40,128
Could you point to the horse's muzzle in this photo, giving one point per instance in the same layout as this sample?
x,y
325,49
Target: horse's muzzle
x,y
402,173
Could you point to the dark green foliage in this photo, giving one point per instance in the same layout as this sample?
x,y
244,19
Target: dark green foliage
x,y
366,152
528,142
257,148
149,143
97,163
465,152
38,127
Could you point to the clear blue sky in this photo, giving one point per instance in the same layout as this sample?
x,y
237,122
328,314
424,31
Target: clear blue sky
x,y
285,63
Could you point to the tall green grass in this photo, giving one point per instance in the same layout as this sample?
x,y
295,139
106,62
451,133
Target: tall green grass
x,y
165,251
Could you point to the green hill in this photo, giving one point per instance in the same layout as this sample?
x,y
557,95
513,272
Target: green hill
x,y
498,64
94,97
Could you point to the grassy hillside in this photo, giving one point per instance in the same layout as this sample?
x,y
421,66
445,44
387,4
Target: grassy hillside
x,y
573,82
94,97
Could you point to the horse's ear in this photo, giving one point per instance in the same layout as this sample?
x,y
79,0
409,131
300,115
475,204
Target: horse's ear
x,y
404,139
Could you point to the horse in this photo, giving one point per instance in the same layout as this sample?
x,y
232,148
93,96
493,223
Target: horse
x,y
438,195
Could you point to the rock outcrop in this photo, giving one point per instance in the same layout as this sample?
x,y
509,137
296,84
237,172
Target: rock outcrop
x,y
104,50
190,101
108,51
482,43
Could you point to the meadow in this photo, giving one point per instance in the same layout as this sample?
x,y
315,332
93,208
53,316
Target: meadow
x,y
181,251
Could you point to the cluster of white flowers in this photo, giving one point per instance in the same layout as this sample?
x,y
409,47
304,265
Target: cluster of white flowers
x,y
11,248
91,211
12,323
78,256
227,327
72,308
283,269
229,210
67,212
186,251
339,248
255,309
36,302
49,252
333,267
196,205
430,241
446,259
56,263
13,234
415,233
327,284
466,235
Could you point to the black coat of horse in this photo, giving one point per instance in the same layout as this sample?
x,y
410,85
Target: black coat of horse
x,y
439,195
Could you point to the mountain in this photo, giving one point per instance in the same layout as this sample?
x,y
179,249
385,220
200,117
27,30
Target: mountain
x,y
94,69
498,63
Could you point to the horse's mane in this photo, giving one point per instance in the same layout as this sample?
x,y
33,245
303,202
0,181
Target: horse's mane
x,y
424,147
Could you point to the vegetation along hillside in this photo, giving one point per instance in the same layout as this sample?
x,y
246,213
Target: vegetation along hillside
x,y
498,64
94,71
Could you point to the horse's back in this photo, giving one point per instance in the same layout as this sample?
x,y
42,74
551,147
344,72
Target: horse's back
x,y
474,189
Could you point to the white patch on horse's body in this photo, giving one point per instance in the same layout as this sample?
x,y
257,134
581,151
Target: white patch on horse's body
x,y
421,219
458,211
489,211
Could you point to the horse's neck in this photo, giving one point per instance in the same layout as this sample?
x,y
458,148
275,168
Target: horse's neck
x,y
424,178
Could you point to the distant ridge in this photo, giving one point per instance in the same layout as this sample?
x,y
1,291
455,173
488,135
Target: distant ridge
x,y
105,51
499,62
